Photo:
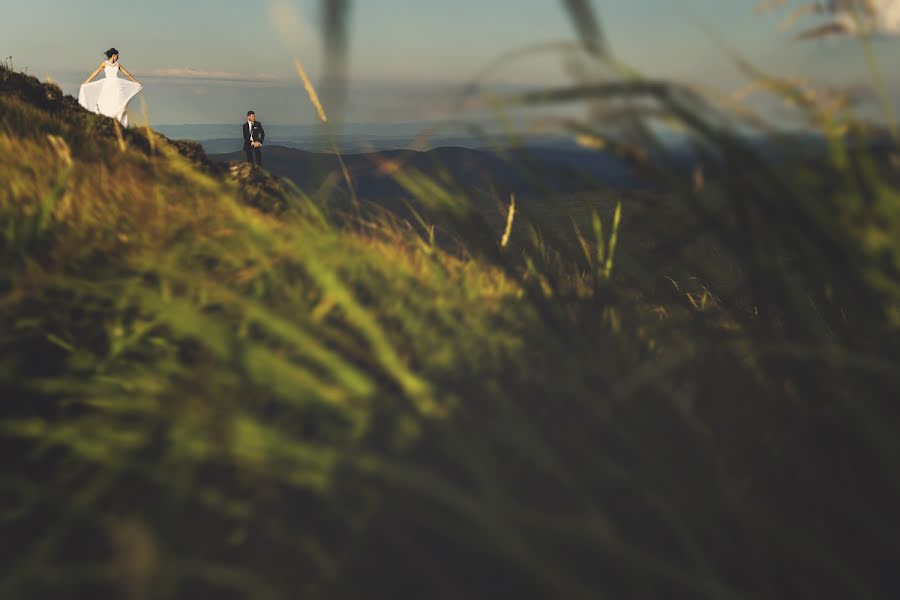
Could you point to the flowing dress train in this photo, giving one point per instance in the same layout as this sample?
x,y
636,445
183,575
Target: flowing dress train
x,y
109,96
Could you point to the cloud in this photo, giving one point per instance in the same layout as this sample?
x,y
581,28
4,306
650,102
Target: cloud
x,y
191,73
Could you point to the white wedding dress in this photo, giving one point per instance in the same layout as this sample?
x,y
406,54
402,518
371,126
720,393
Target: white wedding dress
x,y
109,96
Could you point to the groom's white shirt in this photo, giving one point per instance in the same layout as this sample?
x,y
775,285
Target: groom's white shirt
x,y
250,131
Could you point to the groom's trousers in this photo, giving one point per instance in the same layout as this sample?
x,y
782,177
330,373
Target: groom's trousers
x,y
254,155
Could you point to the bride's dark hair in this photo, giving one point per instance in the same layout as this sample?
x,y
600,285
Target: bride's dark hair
x,y
109,53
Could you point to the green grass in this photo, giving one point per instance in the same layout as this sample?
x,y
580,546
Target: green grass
x,y
214,386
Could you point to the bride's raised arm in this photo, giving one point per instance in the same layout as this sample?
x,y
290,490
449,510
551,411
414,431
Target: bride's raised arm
x,y
130,76
94,74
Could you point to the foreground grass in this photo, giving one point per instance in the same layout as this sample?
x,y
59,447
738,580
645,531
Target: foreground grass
x,y
206,398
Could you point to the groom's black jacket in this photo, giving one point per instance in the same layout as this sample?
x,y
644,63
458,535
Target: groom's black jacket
x,y
257,135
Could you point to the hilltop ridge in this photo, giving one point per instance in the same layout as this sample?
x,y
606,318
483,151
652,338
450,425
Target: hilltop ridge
x,y
39,109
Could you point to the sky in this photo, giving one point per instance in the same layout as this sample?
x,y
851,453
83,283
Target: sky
x,y
208,61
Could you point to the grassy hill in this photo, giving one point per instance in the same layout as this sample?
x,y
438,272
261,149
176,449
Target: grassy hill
x,y
216,386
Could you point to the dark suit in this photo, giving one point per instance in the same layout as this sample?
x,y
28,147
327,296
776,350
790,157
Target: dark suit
x,y
258,134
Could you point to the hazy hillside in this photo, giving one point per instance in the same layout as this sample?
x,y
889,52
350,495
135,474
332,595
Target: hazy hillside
x,y
538,172
218,384
475,170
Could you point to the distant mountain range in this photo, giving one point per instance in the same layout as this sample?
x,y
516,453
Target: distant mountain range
x,y
523,170
351,137
556,165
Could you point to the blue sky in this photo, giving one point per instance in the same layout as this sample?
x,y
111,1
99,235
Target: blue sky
x,y
206,60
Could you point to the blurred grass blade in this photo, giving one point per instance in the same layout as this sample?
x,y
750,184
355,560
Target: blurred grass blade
x,y
584,17
336,17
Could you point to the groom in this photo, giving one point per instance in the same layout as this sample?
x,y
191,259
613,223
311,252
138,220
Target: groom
x,y
254,134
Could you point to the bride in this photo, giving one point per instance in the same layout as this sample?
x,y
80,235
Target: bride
x,y
109,96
